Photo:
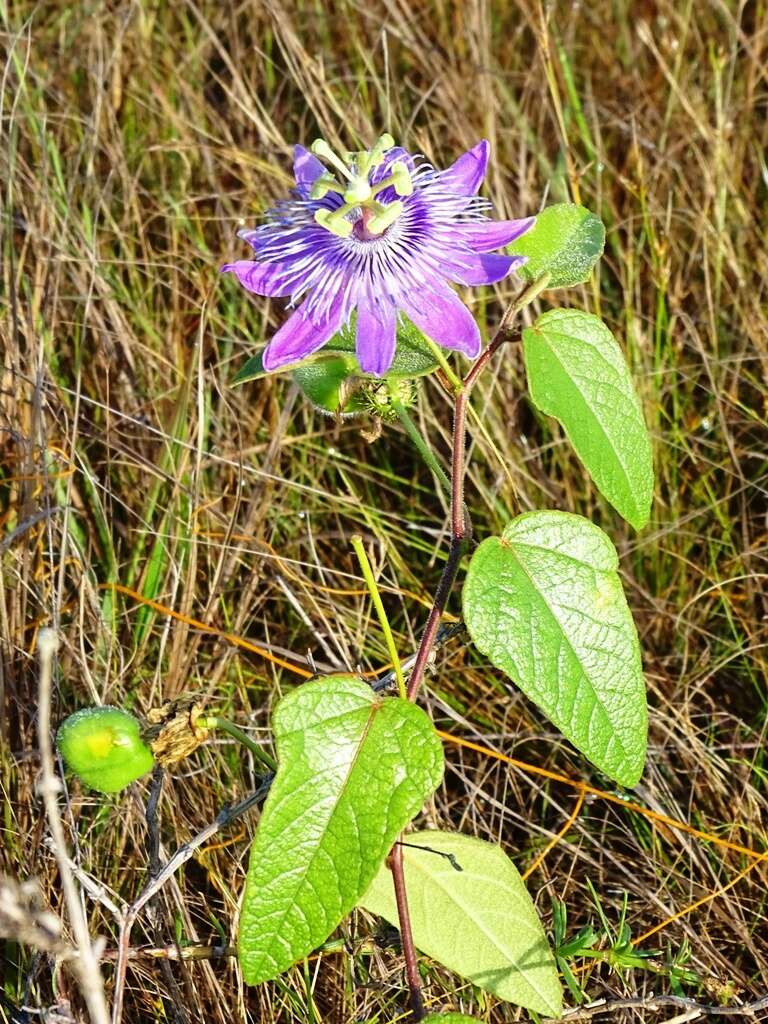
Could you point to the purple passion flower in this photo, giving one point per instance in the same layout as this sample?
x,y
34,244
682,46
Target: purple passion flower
x,y
382,238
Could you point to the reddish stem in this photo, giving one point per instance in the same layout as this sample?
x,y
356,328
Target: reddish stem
x,y
461,526
406,935
461,534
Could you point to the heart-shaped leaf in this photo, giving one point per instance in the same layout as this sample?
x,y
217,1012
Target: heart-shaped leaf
x,y
577,373
545,604
354,769
478,921
565,242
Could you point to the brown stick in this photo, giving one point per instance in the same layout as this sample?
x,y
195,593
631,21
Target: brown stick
x,y
697,1010
87,963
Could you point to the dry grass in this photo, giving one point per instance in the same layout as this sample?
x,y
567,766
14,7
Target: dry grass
x,y
136,137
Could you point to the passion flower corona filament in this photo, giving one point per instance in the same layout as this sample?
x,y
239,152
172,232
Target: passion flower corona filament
x,y
378,233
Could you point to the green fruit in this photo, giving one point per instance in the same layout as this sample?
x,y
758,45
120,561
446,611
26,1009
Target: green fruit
x,y
104,748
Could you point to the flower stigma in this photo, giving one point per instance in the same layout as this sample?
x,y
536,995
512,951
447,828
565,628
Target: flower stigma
x,y
358,191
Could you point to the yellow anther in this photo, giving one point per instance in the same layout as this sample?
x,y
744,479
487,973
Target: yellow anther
x,y
323,185
335,221
385,218
401,179
383,143
321,148
366,161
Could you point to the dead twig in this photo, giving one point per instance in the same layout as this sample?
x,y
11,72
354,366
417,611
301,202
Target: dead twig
x,y
155,883
181,953
50,786
689,1006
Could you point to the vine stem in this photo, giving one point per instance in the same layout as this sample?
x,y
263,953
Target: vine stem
x,y
406,934
461,525
461,535
157,881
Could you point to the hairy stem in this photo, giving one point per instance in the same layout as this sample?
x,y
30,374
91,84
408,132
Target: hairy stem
x,y
442,593
461,536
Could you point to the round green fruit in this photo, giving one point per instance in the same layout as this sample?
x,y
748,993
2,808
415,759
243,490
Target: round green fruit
x,y
104,748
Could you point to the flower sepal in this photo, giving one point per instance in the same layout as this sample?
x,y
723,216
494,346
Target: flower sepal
x,y
414,356
335,387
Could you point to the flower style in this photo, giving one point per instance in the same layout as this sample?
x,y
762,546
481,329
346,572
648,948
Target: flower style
x,y
383,238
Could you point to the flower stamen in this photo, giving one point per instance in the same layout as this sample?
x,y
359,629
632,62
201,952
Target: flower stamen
x,y
335,221
325,183
399,179
358,192
321,148
379,223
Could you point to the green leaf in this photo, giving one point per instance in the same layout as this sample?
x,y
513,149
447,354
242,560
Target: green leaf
x,y
545,604
565,242
354,769
252,369
480,921
577,373
413,356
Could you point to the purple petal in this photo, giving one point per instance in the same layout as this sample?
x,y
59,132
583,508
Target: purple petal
x,y
261,278
445,319
465,176
299,337
306,169
375,340
253,237
476,269
493,234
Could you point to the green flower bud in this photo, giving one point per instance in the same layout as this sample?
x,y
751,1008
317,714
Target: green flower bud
x,y
104,748
332,385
